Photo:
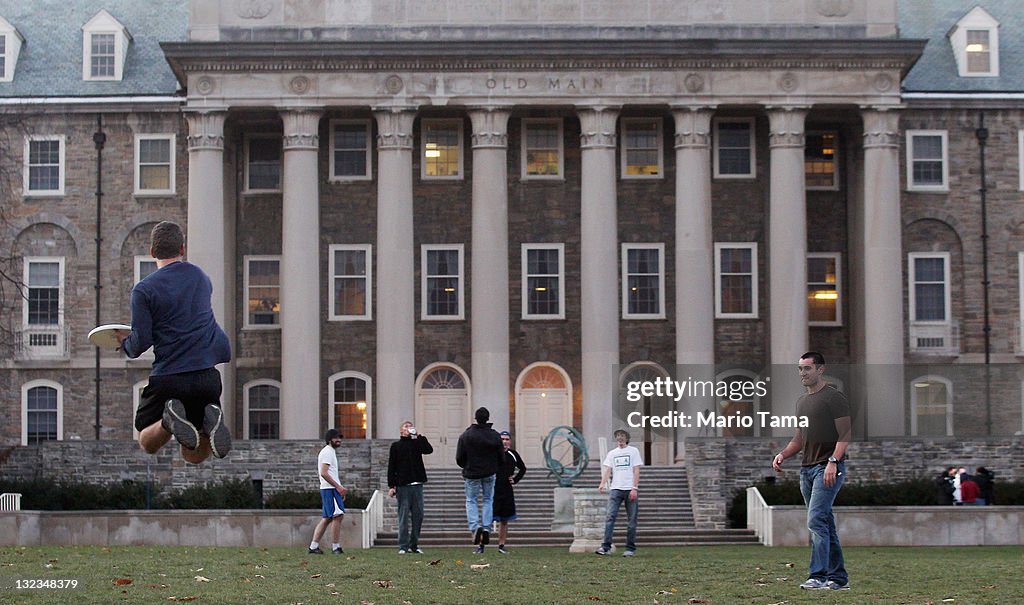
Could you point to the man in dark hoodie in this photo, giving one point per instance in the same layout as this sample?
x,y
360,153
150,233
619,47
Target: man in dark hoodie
x,y
406,477
480,455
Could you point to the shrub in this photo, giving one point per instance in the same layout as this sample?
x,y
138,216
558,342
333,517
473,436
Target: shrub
x,y
309,499
45,494
913,492
230,493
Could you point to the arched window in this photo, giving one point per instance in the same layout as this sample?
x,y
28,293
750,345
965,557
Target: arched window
x,y
262,400
350,412
42,411
931,406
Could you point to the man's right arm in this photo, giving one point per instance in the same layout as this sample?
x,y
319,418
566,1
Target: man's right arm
x,y
141,337
795,445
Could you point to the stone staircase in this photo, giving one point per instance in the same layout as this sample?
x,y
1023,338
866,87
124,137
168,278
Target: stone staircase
x,y
666,515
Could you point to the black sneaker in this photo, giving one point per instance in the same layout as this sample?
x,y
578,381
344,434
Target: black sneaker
x,y
176,422
502,549
486,538
416,550
338,551
316,551
602,551
213,425
479,550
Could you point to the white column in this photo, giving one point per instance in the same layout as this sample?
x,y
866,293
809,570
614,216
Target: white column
x,y
489,264
396,366
208,239
883,267
787,237
694,257
300,277
599,271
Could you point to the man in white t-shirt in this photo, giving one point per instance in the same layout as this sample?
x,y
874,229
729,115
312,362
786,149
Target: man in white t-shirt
x,y
622,467
332,495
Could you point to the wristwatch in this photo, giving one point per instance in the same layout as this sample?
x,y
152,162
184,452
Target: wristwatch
x,y
833,459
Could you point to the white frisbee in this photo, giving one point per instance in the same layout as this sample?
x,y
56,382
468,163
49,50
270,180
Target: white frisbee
x,y
104,337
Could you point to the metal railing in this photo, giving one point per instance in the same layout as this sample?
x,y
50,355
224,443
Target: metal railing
x,y
10,502
41,342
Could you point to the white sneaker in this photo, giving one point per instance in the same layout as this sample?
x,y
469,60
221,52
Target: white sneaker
x,y
833,585
814,584
402,551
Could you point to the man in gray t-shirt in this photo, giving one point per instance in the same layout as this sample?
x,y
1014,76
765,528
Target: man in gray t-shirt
x,y
822,470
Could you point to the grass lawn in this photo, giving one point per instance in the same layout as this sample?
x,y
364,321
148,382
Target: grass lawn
x,y
722,575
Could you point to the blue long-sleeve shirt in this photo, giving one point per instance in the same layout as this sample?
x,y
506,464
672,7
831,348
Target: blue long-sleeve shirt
x,y
171,312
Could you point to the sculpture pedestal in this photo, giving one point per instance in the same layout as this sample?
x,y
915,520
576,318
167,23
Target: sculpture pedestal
x,y
564,518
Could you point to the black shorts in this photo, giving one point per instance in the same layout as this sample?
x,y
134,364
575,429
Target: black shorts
x,y
195,389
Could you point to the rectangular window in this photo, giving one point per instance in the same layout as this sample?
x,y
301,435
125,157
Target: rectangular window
x,y
824,289
734,148
821,165
44,165
542,149
641,148
144,266
42,412
441,291
442,149
979,57
736,280
264,411
154,164
929,287
927,166
44,277
350,407
262,163
3,57
643,281
351,282
351,149
263,291
543,286
102,56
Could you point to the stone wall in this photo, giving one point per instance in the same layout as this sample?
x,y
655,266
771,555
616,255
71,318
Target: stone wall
x,y
280,465
719,468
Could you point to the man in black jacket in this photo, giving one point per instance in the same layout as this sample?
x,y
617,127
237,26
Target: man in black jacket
x,y
480,455
406,477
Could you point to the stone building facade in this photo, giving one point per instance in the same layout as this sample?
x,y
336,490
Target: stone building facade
x,y
410,211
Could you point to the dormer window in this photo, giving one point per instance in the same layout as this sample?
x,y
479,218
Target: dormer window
x,y
975,42
10,45
104,46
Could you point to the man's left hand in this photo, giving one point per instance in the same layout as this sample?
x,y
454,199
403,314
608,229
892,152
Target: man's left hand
x,y
830,474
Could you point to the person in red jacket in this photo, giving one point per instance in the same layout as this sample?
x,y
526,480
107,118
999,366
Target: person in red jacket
x,y
969,490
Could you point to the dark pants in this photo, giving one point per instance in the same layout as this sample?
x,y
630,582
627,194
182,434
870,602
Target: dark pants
x,y
410,515
195,389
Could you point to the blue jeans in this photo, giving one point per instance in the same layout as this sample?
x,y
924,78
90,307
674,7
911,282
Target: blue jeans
x,y
616,497
474,488
410,515
826,553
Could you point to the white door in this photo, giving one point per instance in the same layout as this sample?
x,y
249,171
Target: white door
x,y
442,413
543,401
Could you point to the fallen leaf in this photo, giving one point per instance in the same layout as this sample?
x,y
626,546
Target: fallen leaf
x,y
695,601
479,566
202,579
989,586
950,600
593,598
383,583
122,581
436,562
780,603
187,599
458,562
316,575
195,570
790,564
331,585
261,576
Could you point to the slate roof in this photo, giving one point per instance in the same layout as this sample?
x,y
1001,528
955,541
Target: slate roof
x,y
936,70
50,62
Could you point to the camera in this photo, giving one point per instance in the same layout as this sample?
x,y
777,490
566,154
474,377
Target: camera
x,y
412,430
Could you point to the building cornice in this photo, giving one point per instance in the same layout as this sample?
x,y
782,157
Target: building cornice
x,y
442,56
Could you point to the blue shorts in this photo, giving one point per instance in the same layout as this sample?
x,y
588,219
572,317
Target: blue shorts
x,y
333,503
